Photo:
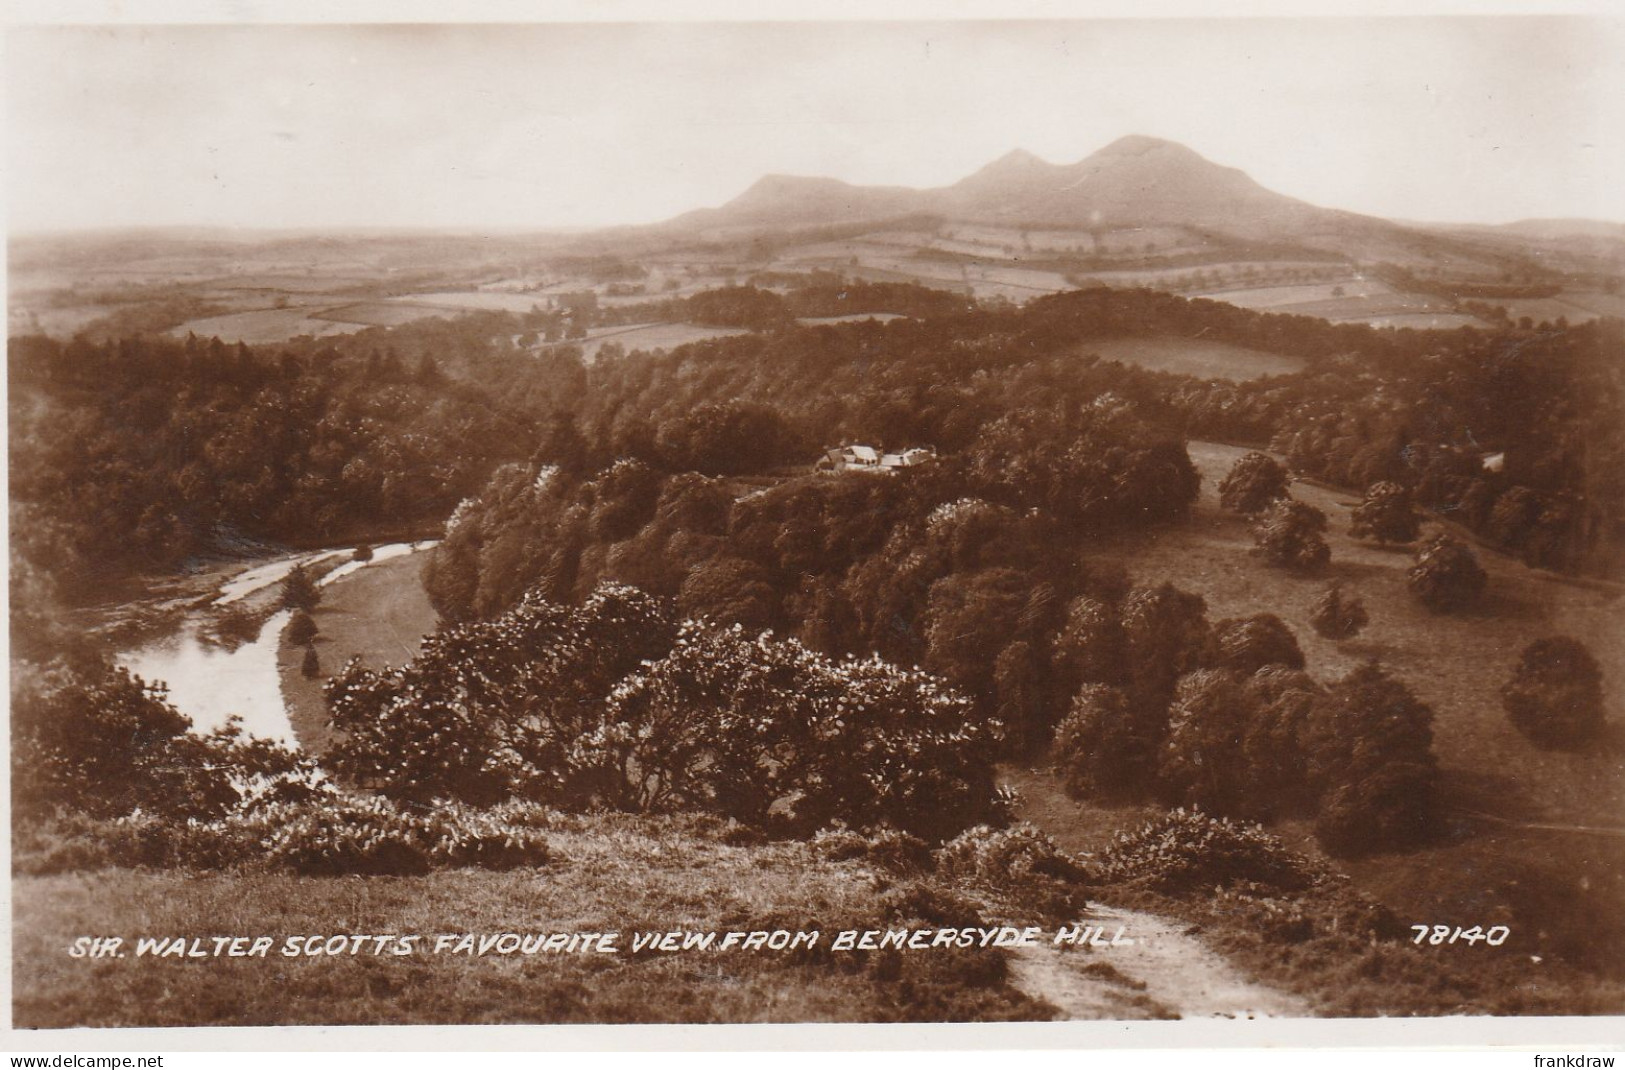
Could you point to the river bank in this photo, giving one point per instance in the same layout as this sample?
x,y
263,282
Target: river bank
x,y
379,614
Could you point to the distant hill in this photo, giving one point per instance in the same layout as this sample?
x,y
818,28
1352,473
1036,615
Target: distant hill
x,y
1134,182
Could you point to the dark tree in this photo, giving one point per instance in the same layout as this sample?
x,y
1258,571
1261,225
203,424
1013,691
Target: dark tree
x,y
311,666
1368,746
1289,536
1247,644
1387,514
1167,635
302,629
299,590
1336,617
1555,694
1103,749
1446,576
1255,482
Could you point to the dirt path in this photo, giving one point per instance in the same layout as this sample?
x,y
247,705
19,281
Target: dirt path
x,y
1165,972
1156,970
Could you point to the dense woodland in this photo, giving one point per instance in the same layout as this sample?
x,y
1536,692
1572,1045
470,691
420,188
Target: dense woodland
x,y
957,606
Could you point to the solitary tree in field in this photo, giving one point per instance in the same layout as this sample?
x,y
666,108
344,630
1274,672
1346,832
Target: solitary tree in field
x,y
311,666
1255,482
1289,536
1446,576
1387,514
1555,695
299,590
1336,617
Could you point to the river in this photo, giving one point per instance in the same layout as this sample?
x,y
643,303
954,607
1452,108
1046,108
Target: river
x,y
209,682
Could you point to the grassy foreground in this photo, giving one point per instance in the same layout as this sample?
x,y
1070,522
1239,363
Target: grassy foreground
x,y
607,873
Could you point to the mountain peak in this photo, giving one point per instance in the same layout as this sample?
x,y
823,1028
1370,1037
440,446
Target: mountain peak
x,y
1141,145
1016,158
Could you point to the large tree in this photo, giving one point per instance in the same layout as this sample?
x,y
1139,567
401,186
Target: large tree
x,y
1387,514
1446,576
1255,482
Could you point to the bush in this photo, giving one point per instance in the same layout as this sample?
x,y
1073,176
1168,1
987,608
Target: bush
x,y
1446,576
885,848
102,742
1002,857
362,553
1186,851
355,835
1289,536
1387,514
301,629
1555,694
310,666
299,590
1335,617
1254,483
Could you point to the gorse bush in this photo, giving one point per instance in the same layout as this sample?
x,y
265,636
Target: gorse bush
x,y
612,704
331,834
1002,857
1187,851
886,848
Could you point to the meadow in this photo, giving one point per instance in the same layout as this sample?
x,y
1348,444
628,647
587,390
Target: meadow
x,y
379,614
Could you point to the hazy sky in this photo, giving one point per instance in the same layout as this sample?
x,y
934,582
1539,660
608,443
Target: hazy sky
x,y
487,126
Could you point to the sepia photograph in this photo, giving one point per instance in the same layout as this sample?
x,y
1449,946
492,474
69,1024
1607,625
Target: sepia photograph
x,y
677,519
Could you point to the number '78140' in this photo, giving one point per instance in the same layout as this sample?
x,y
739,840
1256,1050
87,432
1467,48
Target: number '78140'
x,y
1444,934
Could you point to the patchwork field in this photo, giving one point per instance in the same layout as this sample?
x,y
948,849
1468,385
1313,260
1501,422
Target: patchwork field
x,y
1193,356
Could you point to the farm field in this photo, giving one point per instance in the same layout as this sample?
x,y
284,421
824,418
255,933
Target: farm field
x,y
266,326
379,614
650,336
1272,297
464,300
1193,356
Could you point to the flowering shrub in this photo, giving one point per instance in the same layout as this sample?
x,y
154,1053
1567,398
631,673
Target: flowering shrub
x,y
610,704
331,834
752,727
1187,851
1007,856
883,847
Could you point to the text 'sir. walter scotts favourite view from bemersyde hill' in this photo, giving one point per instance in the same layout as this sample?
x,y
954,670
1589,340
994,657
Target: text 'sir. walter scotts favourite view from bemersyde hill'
x,y
1126,579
